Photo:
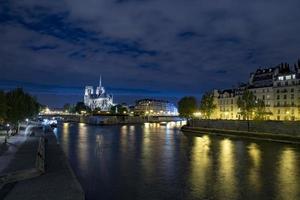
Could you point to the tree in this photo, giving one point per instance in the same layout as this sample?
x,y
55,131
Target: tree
x,y
207,105
80,106
3,107
20,105
69,108
119,109
246,103
260,110
187,106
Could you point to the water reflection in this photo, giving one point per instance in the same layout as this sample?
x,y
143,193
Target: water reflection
x,y
65,136
227,187
157,161
200,166
82,146
254,167
288,175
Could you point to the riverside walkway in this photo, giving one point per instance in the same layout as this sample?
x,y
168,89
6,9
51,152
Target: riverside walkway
x,y
58,181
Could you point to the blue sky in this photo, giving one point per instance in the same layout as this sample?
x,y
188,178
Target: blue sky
x,y
142,48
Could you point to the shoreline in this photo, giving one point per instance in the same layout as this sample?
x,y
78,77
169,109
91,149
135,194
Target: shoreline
x,y
282,138
58,181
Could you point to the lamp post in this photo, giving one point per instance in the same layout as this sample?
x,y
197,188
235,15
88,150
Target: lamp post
x,y
7,135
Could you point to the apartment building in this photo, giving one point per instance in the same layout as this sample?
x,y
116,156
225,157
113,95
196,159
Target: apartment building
x,y
278,87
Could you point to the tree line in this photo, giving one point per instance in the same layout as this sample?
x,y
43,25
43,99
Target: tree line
x,y
17,105
80,107
249,106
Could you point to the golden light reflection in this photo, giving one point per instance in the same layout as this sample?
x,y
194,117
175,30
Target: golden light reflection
x,y
227,180
127,140
254,173
150,151
200,165
82,145
287,175
132,129
171,124
65,136
124,130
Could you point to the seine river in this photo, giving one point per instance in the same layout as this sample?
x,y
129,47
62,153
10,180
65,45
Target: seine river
x,y
153,161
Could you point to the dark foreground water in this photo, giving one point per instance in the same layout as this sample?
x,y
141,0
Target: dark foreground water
x,y
151,161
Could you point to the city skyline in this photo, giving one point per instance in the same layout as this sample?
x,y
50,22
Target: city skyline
x,y
143,49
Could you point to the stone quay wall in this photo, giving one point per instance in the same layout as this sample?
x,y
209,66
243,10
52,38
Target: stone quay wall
x,y
291,128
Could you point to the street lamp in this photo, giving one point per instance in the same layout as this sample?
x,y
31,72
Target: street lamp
x,y
7,131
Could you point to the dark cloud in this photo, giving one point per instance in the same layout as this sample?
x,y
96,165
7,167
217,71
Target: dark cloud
x,y
161,47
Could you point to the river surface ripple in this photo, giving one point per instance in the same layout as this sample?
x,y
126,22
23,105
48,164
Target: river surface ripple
x,y
153,161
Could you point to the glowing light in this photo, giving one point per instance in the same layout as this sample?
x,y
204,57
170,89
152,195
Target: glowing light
x,y
287,175
200,165
197,114
227,170
255,155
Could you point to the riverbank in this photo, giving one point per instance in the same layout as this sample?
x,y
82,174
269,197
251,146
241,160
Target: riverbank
x,y
57,182
287,132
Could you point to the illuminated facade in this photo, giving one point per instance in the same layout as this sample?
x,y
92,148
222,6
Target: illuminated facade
x,y
98,99
278,87
154,107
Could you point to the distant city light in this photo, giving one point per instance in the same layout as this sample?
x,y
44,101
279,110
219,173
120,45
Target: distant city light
x,y
197,114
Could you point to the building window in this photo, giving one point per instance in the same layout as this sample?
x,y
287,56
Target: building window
x,y
278,111
278,91
284,96
286,83
278,104
293,76
280,78
278,96
292,89
292,103
288,77
278,117
263,97
292,96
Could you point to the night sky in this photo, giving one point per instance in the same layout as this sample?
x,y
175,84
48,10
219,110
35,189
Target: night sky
x,y
143,48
